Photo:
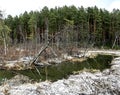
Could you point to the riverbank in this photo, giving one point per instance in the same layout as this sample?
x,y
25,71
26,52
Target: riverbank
x,y
24,62
106,82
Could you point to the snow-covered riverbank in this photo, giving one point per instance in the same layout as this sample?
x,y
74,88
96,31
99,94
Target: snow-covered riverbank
x,y
84,83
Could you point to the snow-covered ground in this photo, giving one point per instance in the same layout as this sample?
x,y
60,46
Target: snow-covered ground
x,y
84,83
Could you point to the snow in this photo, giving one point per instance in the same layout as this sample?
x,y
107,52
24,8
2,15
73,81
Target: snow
x,y
84,83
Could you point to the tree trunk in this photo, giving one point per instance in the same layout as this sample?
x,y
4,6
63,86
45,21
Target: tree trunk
x,y
5,46
38,55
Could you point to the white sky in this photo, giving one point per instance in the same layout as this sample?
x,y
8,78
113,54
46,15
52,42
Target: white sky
x,y
16,7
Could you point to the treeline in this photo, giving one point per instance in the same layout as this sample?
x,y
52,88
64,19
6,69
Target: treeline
x,y
77,25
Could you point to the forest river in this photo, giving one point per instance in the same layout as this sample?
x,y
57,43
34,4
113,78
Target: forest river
x,y
61,70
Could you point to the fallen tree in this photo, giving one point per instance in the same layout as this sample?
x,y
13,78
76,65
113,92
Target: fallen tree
x,y
33,61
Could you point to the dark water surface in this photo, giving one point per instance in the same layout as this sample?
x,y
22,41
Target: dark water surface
x,y
63,70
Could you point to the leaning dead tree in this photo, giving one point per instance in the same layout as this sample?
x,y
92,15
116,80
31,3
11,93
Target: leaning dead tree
x,y
44,47
38,55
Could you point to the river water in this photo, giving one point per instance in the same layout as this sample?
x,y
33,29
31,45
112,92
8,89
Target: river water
x,y
62,70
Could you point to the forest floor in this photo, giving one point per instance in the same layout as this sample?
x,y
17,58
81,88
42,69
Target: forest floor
x,y
106,82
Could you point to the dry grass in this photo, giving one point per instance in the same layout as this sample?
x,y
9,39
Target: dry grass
x,y
17,52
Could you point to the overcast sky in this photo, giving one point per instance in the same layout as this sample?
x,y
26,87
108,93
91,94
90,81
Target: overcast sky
x,y
16,7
